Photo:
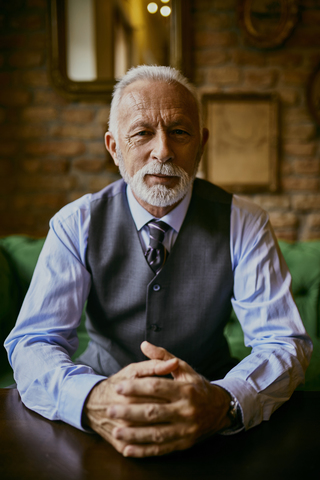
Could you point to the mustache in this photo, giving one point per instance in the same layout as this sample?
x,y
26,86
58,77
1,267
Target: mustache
x,y
168,168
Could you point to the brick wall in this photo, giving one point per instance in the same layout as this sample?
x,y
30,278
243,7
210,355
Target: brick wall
x,y
51,149
225,62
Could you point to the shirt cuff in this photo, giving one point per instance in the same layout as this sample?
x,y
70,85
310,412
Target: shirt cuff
x,y
248,399
73,396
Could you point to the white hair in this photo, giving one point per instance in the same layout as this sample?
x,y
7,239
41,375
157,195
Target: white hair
x,y
153,73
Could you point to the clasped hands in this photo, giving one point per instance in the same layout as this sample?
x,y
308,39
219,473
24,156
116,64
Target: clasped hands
x,y
142,414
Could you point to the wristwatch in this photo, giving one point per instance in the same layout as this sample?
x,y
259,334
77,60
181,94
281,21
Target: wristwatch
x,y
234,414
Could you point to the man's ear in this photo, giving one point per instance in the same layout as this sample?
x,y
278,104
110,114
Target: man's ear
x,y
111,146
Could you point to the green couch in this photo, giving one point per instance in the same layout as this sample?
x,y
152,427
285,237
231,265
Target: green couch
x,y
19,254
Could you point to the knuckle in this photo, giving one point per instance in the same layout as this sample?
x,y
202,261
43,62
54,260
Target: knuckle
x,y
157,436
151,412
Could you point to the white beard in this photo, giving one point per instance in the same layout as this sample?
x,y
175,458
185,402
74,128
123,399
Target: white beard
x,y
157,195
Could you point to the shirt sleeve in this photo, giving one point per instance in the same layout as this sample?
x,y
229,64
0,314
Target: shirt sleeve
x,y
270,320
45,336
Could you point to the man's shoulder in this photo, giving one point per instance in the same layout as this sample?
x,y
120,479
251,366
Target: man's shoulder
x,y
81,206
210,192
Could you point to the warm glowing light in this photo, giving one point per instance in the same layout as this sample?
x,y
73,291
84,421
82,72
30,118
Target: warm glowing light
x,y
165,1
165,11
152,7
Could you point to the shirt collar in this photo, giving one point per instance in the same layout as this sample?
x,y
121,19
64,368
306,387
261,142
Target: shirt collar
x,y
174,218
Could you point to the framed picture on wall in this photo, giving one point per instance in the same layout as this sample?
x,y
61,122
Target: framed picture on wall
x,y
242,151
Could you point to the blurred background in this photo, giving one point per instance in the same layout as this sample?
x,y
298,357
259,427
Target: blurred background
x,y
54,96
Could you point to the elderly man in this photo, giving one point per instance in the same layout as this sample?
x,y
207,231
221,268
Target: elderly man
x,y
157,375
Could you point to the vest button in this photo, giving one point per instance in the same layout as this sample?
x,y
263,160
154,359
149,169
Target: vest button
x,y
156,287
155,327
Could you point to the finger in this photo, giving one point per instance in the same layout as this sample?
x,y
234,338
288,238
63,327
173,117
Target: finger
x,y
141,451
182,370
159,388
145,413
153,352
150,368
156,434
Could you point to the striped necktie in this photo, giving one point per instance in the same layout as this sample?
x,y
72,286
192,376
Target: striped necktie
x,y
156,254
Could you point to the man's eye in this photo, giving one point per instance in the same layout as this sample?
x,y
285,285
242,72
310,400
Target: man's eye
x,y
143,133
178,131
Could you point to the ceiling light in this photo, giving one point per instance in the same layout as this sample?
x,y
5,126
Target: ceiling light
x,y
165,11
152,7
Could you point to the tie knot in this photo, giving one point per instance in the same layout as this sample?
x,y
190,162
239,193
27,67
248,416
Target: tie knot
x,y
157,229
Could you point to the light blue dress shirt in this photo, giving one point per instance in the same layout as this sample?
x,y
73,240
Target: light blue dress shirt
x,y
44,338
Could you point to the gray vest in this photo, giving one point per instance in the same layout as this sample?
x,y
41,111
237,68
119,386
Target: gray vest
x,y
183,309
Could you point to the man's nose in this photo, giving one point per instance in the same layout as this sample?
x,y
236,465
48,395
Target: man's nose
x,y
162,150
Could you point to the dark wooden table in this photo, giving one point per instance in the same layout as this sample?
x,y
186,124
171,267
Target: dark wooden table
x,y
288,446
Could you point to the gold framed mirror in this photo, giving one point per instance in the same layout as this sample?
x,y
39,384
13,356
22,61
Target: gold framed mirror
x,y
267,23
92,42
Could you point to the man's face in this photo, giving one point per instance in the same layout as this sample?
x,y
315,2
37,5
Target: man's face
x,y
159,143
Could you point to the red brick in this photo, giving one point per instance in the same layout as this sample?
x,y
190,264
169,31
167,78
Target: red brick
x,y
296,115
287,235
23,131
289,96
8,149
306,202
300,132
271,202
261,78
307,166
304,149
27,22
224,4
283,220
55,183
6,79
48,97
312,235
14,97
52,201
86,165
245,57
298,184
6,167
211,57
213,21
37,41
97,183
76,115
39,114
37,3
13,41
78,131
35,78
286,167
96,148
30,165
285,59
223,75
64,148
103,115
304,37
311,17
26,59
60,165
293,77
313,220
2,115
215,39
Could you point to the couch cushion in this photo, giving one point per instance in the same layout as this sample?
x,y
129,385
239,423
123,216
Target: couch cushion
x,y
9,293
22,252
